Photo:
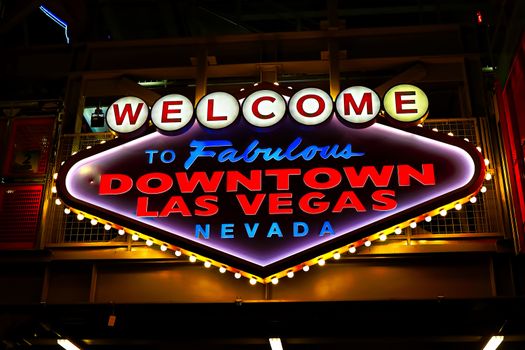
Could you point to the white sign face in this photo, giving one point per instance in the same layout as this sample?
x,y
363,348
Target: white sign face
x,y
264,108
406,103
172,112
358,104
127,114
311,106
217,110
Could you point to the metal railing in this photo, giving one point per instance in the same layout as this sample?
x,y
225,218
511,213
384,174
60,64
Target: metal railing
x,y
480,218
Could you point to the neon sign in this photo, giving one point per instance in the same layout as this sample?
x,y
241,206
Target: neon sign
x,y
264,194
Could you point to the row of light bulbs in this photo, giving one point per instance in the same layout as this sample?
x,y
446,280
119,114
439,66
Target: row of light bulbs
x,y
320,261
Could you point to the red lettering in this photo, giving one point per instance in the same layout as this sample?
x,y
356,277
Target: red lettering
x,y
208,184
210,117
165,183
142,208
166,110
316,207
253,207
425,177
283,176
252,183
348,200
359,180
255,107
400,102
175,205
383,200
107,181
310,178
320,108
348,100
119,118
276,202
208,204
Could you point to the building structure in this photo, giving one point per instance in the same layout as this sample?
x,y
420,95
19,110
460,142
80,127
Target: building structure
x,y
450,283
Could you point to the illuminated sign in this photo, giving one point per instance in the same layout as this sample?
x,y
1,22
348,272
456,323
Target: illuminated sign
x,y
268,183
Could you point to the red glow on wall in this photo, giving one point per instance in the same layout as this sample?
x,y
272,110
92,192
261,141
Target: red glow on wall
x,y
19,215
512,116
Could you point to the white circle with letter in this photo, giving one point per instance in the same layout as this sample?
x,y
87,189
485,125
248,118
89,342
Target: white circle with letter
x,y
127,114
217,110
172,112
357,104
406,103
310,106
264,108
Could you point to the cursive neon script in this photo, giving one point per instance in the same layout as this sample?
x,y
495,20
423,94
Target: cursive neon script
x,y
227,153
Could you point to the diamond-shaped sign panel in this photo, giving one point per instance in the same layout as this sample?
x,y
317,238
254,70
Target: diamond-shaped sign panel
x,y
264,200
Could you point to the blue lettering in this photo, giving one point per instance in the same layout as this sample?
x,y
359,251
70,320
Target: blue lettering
x,y
150,153
226,230
199,151
204,232
169,159
326,229
300,229
251,230
252,152
274,230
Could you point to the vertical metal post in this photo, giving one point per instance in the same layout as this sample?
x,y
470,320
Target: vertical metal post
x,y
45,286
333,50
93,286
201,77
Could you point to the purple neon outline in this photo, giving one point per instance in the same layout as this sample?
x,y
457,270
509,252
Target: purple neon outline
x,y
467,174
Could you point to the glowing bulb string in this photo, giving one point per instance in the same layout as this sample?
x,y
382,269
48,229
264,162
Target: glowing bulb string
x,y
289,272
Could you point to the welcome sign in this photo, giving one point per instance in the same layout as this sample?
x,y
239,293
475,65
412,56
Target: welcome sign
x,y
267,183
